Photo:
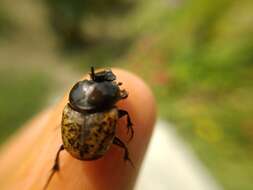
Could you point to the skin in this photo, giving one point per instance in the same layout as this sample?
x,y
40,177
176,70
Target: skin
x,y
27,158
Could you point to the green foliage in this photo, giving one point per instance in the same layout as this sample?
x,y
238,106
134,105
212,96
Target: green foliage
x,y
71,19
197,56
6,24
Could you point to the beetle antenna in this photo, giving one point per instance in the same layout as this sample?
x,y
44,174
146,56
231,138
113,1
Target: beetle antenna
x,y
92,74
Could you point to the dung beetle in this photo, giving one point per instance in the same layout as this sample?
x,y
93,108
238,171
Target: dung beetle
x,y
89,119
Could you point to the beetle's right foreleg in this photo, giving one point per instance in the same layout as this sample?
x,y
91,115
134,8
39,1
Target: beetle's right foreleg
x,y
119,143
55,167
123,94
123,113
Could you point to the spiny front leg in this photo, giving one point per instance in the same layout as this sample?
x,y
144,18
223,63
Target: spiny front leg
x,y
123,93
122,113
119,143
55,167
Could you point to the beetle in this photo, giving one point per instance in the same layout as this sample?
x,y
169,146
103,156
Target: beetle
x,y
89,119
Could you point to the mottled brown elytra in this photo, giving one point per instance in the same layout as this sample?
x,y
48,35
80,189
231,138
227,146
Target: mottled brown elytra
x,y
89,119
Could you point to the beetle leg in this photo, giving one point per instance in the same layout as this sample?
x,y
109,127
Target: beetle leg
x,y
55,167
123,94
119,143
122,113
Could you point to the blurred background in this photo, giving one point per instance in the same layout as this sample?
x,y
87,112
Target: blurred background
x,y
196,56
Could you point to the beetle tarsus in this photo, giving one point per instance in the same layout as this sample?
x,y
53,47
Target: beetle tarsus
x,y
123,94
119,143
55,167
122,113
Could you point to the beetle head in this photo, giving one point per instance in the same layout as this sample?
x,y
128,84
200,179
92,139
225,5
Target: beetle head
x,y
105,75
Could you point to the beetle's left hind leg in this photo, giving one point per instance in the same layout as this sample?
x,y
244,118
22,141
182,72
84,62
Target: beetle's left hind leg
x,y
55,167
122,113
119,143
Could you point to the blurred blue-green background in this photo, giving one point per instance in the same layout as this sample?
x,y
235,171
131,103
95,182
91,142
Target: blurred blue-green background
x,y
197,56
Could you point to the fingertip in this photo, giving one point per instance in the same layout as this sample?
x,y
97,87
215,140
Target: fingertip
x,y
37,145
